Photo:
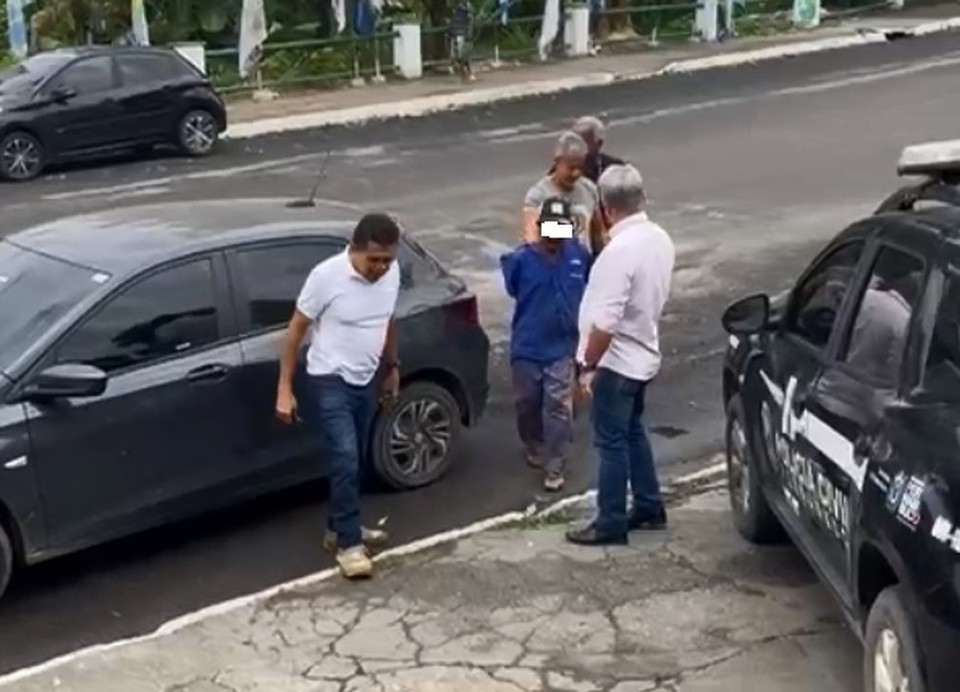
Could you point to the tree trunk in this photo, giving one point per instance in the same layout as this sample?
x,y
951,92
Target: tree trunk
x,y
619,25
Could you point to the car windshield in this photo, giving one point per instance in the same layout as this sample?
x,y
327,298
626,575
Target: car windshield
x,y
30,72
35,292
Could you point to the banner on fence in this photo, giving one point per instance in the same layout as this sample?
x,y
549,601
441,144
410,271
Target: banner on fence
x,y
17,29
504,7
141,30
549,28
253,32
339,14
365,16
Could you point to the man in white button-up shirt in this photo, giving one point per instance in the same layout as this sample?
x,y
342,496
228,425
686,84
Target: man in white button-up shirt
x,y
618,355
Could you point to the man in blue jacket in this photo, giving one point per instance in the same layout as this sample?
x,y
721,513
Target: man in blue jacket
x,y
546,279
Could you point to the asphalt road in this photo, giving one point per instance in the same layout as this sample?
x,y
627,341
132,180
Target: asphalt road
x,y
751,170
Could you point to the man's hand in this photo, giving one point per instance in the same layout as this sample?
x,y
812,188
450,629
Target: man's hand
x,y
390,387
286,407
585,386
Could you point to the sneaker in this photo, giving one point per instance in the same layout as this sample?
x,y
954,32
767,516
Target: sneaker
x,y
355,563
533,458
372,538
553,482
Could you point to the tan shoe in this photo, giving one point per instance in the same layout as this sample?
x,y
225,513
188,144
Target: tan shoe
x,y
355,563
372,538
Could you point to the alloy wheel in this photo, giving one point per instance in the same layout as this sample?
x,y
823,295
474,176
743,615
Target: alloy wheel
x,y
420,437
199,133
889,672
739,466
21,157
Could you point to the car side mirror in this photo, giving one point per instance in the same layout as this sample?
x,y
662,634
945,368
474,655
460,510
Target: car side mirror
x,y
67,380
62,94
748,315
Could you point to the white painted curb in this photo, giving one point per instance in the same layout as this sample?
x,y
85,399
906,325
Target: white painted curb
x,y
713,470
426,105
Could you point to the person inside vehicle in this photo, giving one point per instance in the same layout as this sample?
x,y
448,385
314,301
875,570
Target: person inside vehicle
x,y
546,280
567,182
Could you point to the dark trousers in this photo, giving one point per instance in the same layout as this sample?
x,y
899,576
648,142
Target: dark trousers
x,y
620,438
344,415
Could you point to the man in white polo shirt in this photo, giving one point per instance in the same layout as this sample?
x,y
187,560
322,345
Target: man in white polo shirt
x,y
347,306
618,355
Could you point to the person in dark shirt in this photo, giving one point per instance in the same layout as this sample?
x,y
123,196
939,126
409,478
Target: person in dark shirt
x,y
546,279
592,131
461,31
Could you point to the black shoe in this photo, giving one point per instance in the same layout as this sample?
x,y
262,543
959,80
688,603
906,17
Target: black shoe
x,y
648,522
590,536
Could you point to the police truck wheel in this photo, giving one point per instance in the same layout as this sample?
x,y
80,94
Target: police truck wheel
x,y
751,512
413,441
6,560
892,659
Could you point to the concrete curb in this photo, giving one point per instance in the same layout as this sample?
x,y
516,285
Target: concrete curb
x,y
681,485
427,105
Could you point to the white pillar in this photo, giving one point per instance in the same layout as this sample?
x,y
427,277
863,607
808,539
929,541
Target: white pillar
x,y
706,20
576,31
407,56
896,4
806,13
195,53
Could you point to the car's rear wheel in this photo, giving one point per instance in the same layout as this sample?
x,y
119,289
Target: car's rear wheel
x,y
892,660
198,133
751,512
414,440
21,156
6,560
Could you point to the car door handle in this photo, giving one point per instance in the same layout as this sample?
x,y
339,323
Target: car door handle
x,y
214,371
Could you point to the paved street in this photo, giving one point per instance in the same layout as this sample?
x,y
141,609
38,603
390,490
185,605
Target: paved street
x,y
693,609
751,169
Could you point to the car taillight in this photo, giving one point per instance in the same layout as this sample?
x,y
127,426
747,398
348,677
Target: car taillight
x,y
466,311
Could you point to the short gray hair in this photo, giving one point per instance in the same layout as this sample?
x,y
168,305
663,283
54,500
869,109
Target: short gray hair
x,y
589,126
570,144
621,189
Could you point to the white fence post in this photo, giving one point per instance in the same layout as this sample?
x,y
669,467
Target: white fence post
x,y
577,31
806,13
407,55
706,20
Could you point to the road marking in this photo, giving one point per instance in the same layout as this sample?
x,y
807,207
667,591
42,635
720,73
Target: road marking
x,y
180,623
18,463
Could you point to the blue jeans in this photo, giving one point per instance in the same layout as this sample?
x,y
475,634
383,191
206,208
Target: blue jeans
x,y
344,415
544,400
624,450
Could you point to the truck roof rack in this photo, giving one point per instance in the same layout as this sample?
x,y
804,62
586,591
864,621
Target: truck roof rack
x,y
939,164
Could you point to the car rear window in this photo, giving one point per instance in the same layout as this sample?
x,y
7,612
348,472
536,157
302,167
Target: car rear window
x,y
146,68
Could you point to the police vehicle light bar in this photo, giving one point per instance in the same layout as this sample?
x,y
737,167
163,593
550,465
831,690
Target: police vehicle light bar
x,y
930,158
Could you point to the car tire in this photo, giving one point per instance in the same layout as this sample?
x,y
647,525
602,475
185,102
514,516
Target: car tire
x,y
21,156
414,439
6,560
891,646
198,133
752,515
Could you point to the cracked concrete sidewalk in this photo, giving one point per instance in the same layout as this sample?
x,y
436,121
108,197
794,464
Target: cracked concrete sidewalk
x,y
692,609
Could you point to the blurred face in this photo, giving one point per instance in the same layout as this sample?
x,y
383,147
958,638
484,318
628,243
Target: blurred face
x,y
567,170
593,143
373,261
553,233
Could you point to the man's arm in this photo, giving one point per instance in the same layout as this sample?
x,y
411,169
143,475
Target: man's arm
x,y
531,214
390,354
296,330
509,266
598,232
611,282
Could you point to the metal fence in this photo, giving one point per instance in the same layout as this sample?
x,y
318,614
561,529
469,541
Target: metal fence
x,y
646,25
308,63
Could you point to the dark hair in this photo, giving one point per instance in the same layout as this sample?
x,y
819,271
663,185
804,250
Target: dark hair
x,y
376,228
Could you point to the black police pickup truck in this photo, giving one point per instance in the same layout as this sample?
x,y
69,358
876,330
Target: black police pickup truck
x,y
843,424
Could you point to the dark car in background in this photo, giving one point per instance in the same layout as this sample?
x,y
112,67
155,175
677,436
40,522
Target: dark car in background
x,y
77,103
139,361
843,424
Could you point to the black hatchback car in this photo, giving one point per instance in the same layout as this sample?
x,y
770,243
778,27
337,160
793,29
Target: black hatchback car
x,y
139,369
79,103
843,424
